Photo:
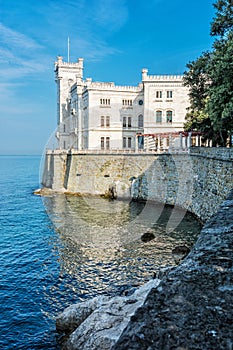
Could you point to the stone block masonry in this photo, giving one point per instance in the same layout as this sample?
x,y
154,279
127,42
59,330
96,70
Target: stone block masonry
x,y
198,180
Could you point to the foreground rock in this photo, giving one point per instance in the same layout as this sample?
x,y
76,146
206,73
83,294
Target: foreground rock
x,y
193,306
97,324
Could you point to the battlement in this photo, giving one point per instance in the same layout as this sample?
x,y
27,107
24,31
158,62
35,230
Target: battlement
x,y
154,78
164,77
60,63
110,86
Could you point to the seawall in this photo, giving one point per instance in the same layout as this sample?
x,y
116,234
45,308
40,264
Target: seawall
x,y
198,180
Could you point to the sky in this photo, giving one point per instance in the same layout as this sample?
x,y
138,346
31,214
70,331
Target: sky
x,y
116,38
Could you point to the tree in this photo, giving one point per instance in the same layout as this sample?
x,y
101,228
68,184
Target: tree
x,y
210,80
223,22
219,105
198,80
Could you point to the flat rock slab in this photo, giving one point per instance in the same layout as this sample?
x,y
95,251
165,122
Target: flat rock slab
x,y
98,323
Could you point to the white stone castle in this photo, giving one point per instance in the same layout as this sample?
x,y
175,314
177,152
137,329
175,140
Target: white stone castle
x,y
104,116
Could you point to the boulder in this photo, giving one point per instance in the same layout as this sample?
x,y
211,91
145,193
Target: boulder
x,y
98,323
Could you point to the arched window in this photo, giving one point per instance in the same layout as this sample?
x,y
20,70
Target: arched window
x,y
169,115
140,121
158,115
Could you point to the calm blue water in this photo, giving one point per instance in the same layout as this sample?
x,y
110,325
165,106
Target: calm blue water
x,y
65,249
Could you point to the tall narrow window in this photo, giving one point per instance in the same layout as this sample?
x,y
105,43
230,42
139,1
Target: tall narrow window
x,y
129,122
169,116
124,142
102,142
169,94
64,127
158,116
140,121
107,142
158,94
107,121
102,121
129,142
124,122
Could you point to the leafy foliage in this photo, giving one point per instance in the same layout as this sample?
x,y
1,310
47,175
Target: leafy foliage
x,y
210,80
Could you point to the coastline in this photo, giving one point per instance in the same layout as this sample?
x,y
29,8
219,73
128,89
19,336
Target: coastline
x,y
192,305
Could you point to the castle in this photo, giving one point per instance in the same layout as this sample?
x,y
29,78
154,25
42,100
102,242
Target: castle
x,y
104,116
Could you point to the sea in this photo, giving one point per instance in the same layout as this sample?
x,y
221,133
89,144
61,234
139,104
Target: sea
x,y
60,250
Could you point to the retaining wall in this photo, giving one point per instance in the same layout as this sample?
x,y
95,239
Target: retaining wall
x,y
198,180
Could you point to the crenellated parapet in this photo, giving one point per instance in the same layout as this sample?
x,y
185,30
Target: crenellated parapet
x,y
110,86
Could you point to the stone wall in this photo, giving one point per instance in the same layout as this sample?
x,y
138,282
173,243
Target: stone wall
x,y
198,181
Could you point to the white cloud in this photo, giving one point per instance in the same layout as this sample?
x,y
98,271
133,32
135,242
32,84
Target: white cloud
x,y
19,55
15,39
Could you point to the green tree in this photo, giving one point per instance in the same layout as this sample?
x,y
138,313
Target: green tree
x,y
219,104
210,81
197,78
223,21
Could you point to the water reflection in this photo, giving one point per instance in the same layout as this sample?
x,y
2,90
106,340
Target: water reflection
x,y
100,248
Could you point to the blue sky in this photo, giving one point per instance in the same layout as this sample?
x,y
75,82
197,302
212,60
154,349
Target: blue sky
x,y
116,38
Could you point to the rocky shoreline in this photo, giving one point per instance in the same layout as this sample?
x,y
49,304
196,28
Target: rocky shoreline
x,y
191,307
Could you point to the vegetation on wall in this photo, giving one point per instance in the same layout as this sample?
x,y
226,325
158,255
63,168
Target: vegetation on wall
x,y
210,81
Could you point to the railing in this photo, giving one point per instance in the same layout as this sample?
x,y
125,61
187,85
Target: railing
x,y
118,151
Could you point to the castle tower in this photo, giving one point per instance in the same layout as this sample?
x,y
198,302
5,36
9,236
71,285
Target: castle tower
x,y
67,75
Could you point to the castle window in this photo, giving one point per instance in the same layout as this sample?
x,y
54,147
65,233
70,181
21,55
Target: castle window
x,y
169,94
169,116
158,94
127,142
127,103
102,142
158,116
104,121
107,142
140,121
105,101
64,127
127,122
124,122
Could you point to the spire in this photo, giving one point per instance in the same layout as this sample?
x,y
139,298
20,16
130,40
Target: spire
x,y
68,53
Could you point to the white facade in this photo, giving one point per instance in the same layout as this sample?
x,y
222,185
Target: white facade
x,y
97,115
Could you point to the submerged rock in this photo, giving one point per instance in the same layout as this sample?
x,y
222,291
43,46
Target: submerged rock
x,y
147,236
181,250
98,323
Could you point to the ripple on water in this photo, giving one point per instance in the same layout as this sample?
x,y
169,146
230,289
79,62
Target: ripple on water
x,y
84,247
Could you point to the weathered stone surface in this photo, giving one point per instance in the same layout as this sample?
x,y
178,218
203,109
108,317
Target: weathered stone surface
x,y
193,306
198,181
75,314
98,323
